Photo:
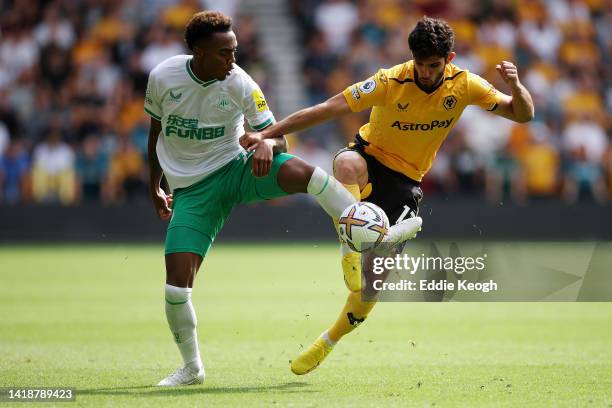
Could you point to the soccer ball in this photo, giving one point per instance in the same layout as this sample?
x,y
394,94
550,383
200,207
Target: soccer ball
x,y
363,226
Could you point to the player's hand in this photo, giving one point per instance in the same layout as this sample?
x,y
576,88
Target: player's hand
x,y
262,158
509,73
249,140
162,203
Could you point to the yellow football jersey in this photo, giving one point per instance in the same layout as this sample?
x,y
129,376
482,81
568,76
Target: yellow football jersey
x,y
407,125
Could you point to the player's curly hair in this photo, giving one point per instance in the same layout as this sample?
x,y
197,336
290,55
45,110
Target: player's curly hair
x,y
431,37
203,24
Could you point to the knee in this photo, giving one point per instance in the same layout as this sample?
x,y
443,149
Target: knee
x,y
349,168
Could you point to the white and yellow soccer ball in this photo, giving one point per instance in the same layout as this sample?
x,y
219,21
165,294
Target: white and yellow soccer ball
x,y
363,226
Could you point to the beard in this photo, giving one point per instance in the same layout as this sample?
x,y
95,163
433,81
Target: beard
x,y
427,87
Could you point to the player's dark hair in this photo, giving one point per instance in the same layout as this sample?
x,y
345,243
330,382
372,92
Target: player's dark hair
x,y
203,24
431,37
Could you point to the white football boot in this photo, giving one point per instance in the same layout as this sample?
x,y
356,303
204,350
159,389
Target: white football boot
x,y
183,376
403,231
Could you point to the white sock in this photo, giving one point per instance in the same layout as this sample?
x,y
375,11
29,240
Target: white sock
x,y
182,321
329,341
329,193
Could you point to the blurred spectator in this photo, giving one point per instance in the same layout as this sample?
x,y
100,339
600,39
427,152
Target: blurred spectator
x,y
177,15
539,165
248,54
139,136
485,134
317,66
500,30
567,12
587,135
18,51
585,143
104,73
54,30
162,44
441,178
14,173
227,7
126,173
583,99
336,19
584,179
92,170
86,104
467,166
53,175
503,177
541,37
55,65
112,28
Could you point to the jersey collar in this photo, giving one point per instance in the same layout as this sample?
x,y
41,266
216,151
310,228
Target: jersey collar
x,y
195,78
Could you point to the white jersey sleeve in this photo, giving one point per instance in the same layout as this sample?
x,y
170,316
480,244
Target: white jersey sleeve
x,y
254,105
152,103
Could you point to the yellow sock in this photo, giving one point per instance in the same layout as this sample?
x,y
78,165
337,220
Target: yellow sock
x,y
354,190
354,307
355,311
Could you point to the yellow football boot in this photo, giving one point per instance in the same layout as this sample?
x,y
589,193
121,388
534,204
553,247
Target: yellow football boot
x,y
351,267
310,358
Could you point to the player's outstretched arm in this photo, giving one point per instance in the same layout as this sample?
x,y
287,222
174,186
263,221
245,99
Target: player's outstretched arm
x,y
332,108
519,106
161,201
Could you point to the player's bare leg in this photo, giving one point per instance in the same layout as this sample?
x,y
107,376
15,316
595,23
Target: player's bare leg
x,y
294,175
181,269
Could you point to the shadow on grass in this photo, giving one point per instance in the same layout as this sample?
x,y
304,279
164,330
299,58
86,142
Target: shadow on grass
x,y
148,390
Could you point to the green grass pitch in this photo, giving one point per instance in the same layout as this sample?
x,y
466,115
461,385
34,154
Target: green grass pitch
x,y
92,318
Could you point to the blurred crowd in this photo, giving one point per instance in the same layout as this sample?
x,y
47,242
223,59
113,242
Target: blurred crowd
x,y
563,50
73,75
72,79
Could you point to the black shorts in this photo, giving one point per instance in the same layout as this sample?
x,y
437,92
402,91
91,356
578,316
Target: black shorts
x,y
398,195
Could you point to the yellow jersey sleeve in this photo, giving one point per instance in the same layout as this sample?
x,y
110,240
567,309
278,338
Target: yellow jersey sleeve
x,y
368,93
482,93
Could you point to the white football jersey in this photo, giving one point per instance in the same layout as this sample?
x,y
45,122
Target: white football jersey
x,y
201,121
